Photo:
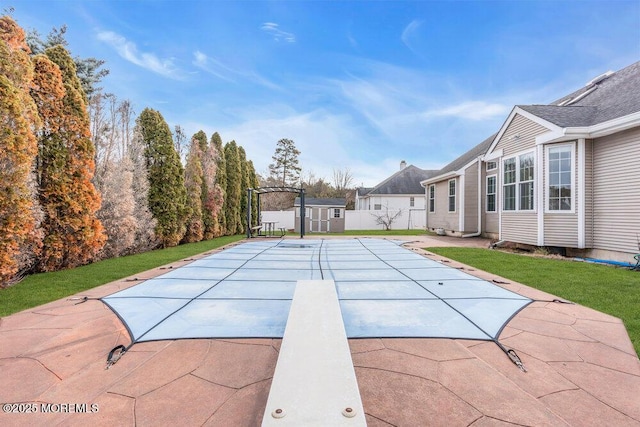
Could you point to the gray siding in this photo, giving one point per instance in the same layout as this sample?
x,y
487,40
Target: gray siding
x,y
441,218
519,227
527,132
589,180
616,191
471,199
561,229
490,220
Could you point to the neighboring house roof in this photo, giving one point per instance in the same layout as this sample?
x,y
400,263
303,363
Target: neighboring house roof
x,y
405,181
363,191
611,96
312,201
463,160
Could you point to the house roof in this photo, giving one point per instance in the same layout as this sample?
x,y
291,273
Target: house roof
x,y
312,201
464,159
363,191
405,181
609,97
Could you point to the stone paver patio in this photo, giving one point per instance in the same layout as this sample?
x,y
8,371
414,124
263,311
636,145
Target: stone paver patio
x,y
582,370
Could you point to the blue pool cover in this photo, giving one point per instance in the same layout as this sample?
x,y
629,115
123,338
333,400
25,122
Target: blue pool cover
x,y
384,289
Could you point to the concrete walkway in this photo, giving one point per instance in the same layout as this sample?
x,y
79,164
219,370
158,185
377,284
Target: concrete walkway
x,y
582,370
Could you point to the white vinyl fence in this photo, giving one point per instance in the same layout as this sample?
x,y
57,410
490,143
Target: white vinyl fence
x,y
359,220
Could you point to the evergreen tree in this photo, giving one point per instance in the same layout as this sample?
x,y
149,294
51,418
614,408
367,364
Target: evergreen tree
x,y
254,182
233,193
73,234
285,169
88,70
167,194
194,183
220,189
208,167
246,183
19,239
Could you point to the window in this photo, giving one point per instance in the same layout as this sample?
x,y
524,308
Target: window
x,y
491,165
526,182
491,193
412,201
432,198
509,185
452,195
560,178
518,183
377,207
336,213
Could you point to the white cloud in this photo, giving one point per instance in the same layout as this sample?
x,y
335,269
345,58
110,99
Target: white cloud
x,y
212,66
128,50
278,34
224,72
409,33
471,110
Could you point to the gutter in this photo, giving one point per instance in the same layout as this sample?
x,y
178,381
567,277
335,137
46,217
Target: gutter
x,y
479,232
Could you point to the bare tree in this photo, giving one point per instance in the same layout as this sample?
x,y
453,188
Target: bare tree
x,y
180,142
386,218
342,179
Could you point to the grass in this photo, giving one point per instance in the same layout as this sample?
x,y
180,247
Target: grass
x,y
42,288
412,232
615,291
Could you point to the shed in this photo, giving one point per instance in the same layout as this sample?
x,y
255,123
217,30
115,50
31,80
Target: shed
x,y
322,215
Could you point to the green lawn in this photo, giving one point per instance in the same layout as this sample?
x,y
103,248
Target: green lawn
x,y
46,287
611,290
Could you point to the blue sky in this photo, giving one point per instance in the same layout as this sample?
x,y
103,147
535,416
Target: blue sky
x,y
359,84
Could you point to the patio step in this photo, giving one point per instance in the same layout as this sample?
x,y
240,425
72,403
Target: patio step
x,y
314,382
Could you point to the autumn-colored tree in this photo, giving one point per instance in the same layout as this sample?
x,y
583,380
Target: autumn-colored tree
x,y
73,234
88,70
167,195
19,239
194,183
219,196
233,193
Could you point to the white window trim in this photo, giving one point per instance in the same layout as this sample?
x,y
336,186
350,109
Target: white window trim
x,y
518,182
495,194
455,192
495,162
434,198
572,147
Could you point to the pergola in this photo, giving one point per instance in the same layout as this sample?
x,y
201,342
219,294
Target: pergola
x,y
263,190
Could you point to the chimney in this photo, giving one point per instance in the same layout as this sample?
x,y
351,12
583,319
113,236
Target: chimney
x,y
403,165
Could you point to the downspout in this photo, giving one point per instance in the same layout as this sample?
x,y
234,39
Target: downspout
x,y
479,232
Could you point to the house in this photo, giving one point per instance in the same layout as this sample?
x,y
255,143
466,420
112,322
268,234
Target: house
x,y
321,215
564,175
402,190
456,199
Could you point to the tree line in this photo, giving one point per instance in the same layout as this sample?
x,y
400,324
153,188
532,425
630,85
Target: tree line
x,y
82,179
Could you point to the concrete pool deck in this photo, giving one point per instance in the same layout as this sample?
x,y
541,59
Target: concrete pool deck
x,y
582,369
